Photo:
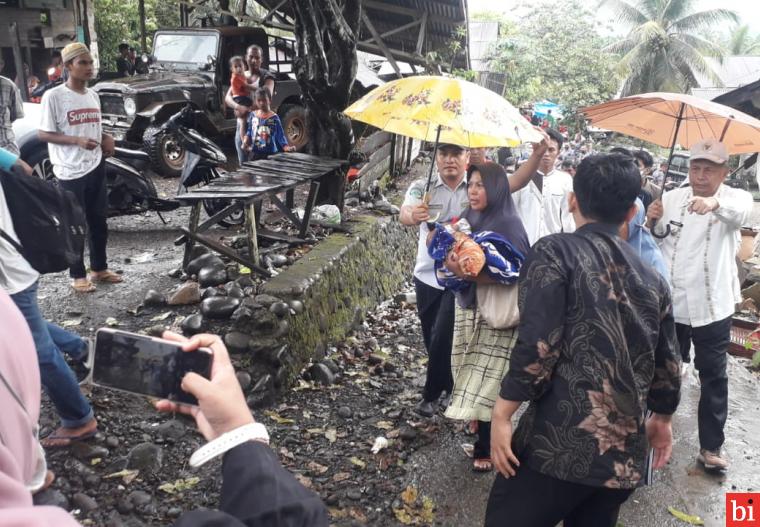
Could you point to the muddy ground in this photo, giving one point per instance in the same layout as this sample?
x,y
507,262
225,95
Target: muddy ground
x,y
135,471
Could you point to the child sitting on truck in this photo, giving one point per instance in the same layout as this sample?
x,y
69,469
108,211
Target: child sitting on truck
x,y
264,134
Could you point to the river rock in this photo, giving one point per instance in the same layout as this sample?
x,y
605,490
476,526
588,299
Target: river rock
x,y
204,261
172,429
83,502
188,293
219,307
212,291
244,378
297,306
244,281
145,457
192,325
351,202
331,364
407,433
211,276
86,451
235,292
345,412
174,273
139,498
384,206
197,251
266,300
322,374
280,309
154,299
278,260
52,498
237,342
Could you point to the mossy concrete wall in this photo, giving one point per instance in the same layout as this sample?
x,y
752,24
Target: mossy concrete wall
x,y
339,280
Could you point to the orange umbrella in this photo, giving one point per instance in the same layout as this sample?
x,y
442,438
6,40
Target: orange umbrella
x,y
667,119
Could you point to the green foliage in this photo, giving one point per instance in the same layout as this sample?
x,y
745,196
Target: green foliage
x,y
556,54
741,42
117,21
665,48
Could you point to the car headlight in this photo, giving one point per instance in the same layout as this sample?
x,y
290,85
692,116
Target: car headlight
x,y
129,106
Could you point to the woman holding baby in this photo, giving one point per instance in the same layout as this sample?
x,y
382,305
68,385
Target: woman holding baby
x,y
482,267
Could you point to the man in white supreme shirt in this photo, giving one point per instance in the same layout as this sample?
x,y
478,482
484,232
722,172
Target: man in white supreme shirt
x,y
700,251
542,203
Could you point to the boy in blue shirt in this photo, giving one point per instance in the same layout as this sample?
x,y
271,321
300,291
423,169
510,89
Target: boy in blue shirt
x,y
264,134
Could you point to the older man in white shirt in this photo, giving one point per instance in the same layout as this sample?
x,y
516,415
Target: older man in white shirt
x,y
542,203
704,221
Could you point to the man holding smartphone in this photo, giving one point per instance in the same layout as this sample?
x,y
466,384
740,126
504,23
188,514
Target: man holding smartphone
x,y
71,125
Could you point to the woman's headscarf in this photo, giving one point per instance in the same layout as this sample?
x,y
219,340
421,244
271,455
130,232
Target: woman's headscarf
x,y
499,215
20,453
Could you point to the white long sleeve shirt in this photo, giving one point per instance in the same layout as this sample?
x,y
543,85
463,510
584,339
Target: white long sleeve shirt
x,y
545,211
701,255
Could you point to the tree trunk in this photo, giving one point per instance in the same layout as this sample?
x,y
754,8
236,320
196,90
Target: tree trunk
x,y
326,32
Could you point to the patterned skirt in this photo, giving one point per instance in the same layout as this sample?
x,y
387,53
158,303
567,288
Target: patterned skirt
x,y
479,361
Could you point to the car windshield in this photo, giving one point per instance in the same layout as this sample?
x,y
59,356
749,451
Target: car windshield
x,y
185,48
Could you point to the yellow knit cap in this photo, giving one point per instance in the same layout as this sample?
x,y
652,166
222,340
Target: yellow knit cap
x,y
72,51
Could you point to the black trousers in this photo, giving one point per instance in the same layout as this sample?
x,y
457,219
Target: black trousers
x,y
531,499
435,308
710,347
90,191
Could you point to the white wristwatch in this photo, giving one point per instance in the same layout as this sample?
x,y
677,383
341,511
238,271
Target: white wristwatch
x,y
228,441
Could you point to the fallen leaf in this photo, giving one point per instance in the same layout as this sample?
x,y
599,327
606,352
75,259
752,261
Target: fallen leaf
x,y
127,475
316,468
112,322
393,434
95,460
277,418
409,496
71,322
332,435
380,443
358,462
162,316
341,476
688,518
179,485
306,482
244,270
337,513
384,425
286,453
316,431
358,515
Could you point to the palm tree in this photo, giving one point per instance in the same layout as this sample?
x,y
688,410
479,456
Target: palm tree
x,y
662,51
742,43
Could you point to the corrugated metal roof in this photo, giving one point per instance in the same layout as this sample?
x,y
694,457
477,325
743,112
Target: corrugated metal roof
x,y
709,93
483,37
734,72
443,19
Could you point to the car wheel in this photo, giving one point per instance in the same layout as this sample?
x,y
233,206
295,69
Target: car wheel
x,y
166,154
41,165
295,125
212,206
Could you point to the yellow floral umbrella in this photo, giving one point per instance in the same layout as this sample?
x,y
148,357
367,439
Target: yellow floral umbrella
x,y
444,110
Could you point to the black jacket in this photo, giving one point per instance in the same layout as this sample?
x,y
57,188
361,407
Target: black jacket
x,y
258,491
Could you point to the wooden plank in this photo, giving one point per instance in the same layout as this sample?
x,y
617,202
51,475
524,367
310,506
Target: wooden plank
x,y
280,237
195,216
250,229
310,200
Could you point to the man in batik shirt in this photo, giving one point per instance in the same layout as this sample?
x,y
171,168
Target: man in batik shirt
x,y
596,352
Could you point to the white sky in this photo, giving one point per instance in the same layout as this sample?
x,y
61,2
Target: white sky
x,y
748,10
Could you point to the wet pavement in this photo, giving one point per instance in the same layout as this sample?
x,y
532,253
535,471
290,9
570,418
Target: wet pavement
x,y
443,472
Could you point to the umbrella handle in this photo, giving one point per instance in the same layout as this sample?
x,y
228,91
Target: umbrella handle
x,y
426,201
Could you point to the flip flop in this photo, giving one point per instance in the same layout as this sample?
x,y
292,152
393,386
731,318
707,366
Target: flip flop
x,y
106,277
62,441
476,468
84,287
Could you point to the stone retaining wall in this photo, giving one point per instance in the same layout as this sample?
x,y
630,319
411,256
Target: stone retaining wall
x,y
316,302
